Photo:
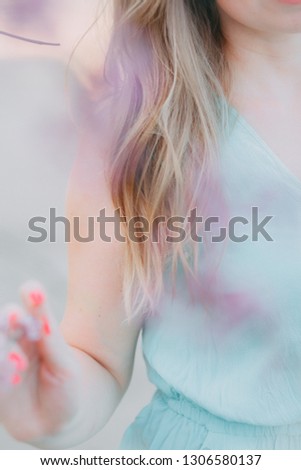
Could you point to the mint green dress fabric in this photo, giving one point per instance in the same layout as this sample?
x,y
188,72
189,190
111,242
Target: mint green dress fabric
x,y
227,366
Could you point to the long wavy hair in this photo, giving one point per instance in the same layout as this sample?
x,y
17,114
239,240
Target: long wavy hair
x,y
166,75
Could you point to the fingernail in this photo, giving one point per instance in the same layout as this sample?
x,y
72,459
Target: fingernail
x,y
12,320
46,326
16,379
37,298
21,364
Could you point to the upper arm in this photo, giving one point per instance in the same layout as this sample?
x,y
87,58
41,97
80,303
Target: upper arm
x,y
95,314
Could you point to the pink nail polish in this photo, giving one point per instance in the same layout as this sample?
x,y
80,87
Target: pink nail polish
x,y
21,364
12,320
46,326
16,379
37,298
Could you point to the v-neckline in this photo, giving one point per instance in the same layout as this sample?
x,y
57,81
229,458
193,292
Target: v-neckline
x,y
273,156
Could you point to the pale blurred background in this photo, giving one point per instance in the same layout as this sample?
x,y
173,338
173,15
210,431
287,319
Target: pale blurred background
x,y
38,142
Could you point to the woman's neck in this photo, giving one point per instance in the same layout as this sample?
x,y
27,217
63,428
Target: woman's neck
x,y
262,62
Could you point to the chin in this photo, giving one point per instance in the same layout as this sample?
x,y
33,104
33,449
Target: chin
x,y
290,24
294,28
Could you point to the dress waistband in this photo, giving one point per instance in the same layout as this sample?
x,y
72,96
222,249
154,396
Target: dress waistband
x,y
181,405
184,406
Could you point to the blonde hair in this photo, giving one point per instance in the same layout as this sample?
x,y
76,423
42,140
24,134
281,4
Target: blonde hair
x,y
167,72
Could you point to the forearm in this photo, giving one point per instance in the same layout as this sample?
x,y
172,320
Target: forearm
x,y
100,394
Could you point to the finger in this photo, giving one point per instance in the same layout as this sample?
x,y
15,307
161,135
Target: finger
x,y
33,297
14,322
13,364
52,348
34,300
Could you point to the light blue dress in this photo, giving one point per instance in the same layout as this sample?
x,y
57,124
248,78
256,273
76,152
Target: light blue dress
x,y
227,366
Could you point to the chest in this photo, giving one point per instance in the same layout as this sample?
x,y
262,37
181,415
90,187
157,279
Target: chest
x,y
279,128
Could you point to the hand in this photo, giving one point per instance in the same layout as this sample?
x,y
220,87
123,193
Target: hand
x,y
39,377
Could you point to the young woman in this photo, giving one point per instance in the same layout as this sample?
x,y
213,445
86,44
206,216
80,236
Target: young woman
x,y
200,109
